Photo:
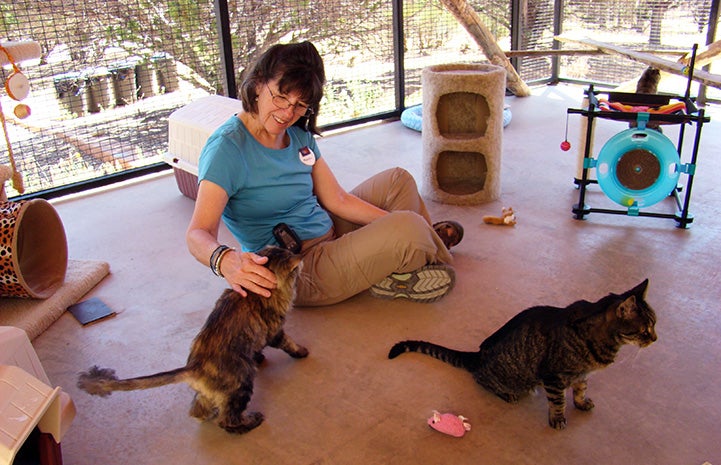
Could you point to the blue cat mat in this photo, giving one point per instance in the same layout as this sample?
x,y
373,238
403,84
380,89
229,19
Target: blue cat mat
x,y
638,167
412,117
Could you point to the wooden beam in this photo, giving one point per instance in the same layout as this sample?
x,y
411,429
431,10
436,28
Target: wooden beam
x,y
713,80
19,51
466,15
704,55
579,51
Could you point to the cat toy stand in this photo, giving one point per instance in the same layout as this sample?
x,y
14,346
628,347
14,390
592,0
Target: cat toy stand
x,y
639,167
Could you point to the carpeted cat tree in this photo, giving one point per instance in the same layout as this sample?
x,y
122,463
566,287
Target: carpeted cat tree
x,y
462,132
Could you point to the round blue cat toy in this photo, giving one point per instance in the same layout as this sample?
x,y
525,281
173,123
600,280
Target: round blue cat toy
x,y
638,167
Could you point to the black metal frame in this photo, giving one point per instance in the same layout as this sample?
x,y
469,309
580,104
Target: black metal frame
x,y
226,48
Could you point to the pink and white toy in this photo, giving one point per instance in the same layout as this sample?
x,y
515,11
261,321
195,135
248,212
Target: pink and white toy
x,y
448,423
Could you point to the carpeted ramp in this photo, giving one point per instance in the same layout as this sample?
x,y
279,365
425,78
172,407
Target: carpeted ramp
x,y
35,315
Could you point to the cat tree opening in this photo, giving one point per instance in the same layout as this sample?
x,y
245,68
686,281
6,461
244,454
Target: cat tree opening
x,y
462,115
461,173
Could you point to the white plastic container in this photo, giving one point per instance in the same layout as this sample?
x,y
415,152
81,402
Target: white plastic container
x,y
188,129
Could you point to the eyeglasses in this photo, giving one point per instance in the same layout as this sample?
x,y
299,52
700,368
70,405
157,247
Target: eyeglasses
x,y
283,103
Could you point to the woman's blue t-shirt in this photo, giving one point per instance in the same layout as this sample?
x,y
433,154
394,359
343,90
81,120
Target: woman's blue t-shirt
x,y
264,186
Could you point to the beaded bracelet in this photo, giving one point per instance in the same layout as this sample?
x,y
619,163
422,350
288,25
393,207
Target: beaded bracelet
x,y
216,258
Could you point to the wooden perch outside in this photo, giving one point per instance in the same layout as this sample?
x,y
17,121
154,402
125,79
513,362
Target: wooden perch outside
x,y
704,55
467,16
713,80
584,51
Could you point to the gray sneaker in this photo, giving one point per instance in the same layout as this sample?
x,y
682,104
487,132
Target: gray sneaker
x,y
426,284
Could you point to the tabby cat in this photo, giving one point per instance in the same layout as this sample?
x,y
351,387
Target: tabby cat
x,y
552,347
225,354
648,84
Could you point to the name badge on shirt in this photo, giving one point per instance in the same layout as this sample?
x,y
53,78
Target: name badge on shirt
x,y
306,155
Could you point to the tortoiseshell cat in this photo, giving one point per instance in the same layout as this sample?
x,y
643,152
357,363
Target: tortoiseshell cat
x,y
553,347
225,354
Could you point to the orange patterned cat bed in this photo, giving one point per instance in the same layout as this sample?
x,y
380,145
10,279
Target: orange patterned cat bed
x,y
34,249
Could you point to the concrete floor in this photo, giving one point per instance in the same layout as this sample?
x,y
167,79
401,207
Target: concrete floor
x,y
347,403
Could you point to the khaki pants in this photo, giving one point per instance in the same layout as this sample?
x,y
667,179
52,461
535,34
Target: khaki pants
x,y
351,258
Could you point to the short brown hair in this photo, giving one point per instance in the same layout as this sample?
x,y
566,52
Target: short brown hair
x,y
298,68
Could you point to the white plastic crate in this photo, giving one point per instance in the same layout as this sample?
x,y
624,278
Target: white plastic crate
x,y
25,402
188,129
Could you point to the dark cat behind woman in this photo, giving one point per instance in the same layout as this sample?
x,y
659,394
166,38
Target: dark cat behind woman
x,y
648,84
225,354
552,347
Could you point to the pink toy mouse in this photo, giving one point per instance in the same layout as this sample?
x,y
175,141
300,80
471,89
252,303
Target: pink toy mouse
x,y
448,423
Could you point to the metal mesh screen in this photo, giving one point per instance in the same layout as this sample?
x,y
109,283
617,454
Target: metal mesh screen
x,y
535,32
645,25
110,72
109,75
354,37
433,36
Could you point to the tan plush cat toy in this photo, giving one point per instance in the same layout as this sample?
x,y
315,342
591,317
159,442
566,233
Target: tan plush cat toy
x,y
507,219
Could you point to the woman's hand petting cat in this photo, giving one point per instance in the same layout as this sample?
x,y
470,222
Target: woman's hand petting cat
x,y
246,272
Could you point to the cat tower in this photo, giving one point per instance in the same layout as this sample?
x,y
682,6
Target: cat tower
x,y
462,132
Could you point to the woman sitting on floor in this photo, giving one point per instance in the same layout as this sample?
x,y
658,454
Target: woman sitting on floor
x,y
262,169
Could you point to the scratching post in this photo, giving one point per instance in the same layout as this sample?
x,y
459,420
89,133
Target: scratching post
x,y
462,132
582,135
